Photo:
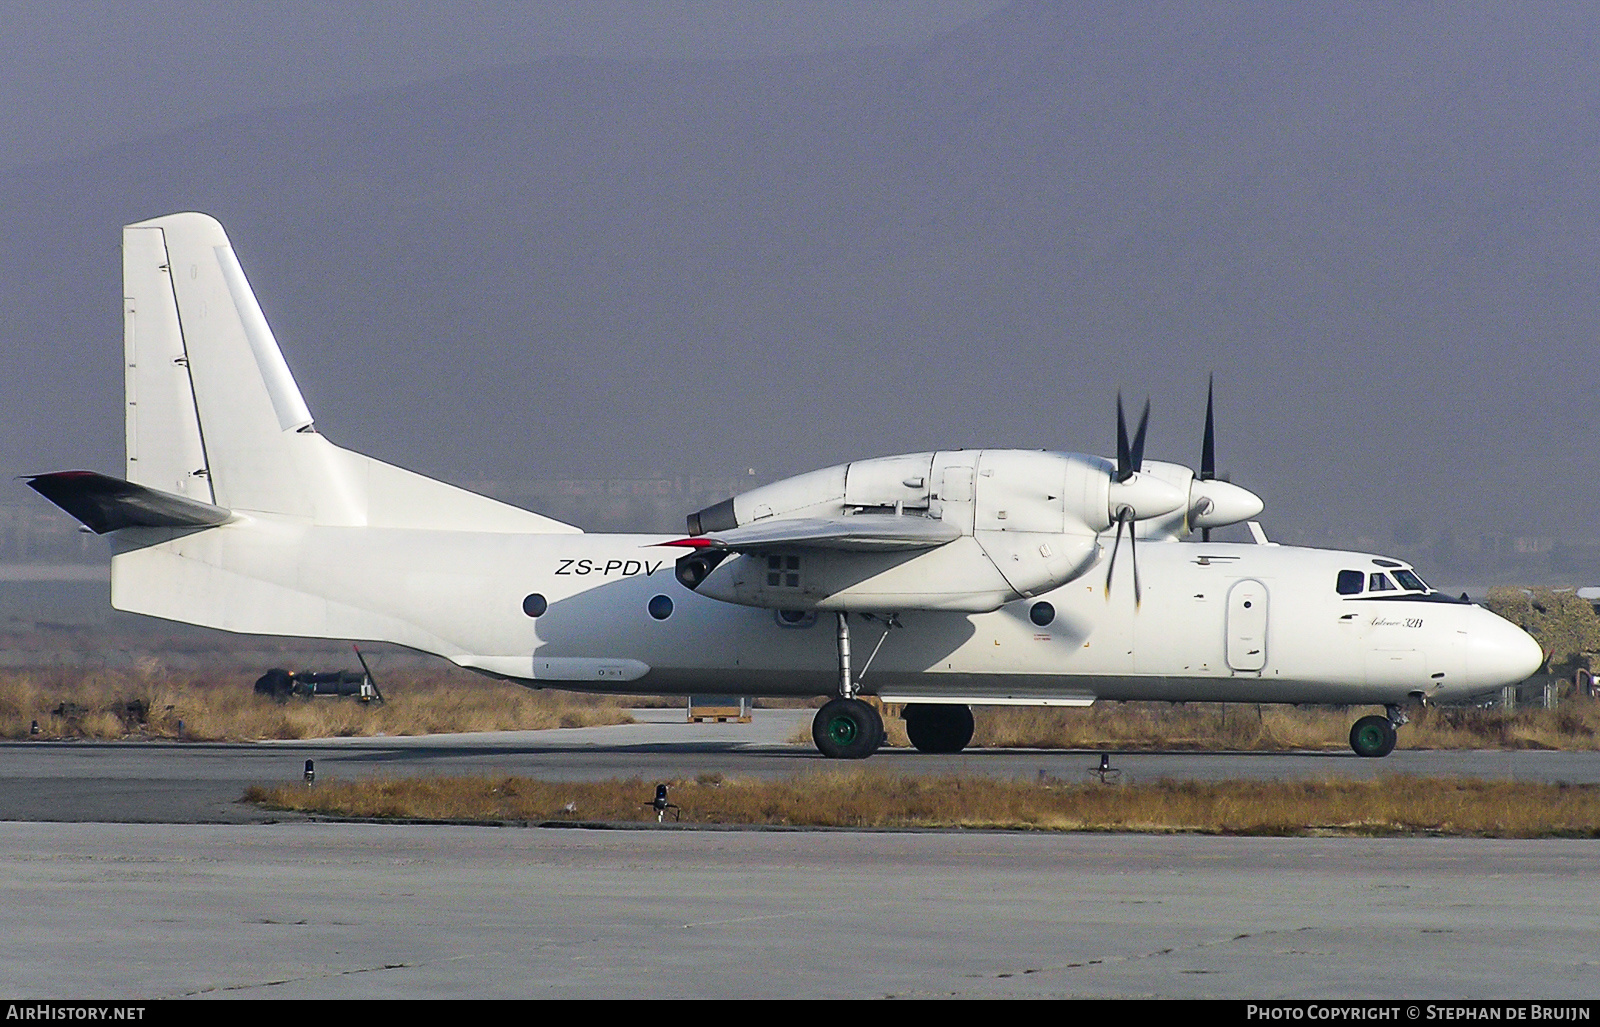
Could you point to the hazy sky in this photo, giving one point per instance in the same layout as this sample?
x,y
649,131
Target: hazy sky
x,y
1377,222
78,75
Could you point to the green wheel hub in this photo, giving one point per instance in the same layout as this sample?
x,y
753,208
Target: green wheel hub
x,y
847,729
1372,737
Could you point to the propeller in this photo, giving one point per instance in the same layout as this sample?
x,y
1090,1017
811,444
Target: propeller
x,y
1132,496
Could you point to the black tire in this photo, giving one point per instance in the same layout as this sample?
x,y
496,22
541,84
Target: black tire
x,y
937,727
1372,736
847,729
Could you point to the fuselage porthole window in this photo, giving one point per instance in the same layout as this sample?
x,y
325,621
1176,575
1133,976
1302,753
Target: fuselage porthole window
x,y
1350,582
660,607
1042,614
534,605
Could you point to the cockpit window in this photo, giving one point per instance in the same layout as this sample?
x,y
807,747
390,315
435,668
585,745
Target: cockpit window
x,y
1350,582
1409,581
1377,582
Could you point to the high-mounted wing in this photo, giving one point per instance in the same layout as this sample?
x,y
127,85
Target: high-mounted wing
x,y
857,533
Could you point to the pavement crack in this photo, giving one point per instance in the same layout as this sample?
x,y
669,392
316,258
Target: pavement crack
x,y
328,975
1136,956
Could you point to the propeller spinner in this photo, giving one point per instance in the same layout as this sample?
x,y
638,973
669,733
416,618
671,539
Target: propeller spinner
x,y
1134,496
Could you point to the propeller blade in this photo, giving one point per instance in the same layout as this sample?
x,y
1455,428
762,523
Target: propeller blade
x,y
1208,444
1111,564
1125,517
1138,438
1124,451
1133,554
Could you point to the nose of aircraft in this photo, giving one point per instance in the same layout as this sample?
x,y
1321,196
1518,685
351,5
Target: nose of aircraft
x,y
1500,653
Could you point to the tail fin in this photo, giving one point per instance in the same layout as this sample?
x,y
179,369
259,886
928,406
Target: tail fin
x,y
214,415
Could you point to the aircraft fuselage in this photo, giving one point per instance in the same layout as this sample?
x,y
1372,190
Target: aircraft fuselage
x,y
1217,622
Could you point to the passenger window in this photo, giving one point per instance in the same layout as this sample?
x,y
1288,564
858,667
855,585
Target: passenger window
x,y
1379,583
1350,583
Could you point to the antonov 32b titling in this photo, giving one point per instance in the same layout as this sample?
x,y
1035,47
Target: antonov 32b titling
x,y
938,580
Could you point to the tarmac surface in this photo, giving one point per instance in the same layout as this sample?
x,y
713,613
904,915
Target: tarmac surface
x,y
130,871
201,782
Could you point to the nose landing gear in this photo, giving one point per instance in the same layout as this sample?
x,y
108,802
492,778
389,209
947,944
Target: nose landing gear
x,y
1375,736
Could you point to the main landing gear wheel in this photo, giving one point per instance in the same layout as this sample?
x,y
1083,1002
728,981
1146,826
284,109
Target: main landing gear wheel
x,y
847,729
1372,736
936,727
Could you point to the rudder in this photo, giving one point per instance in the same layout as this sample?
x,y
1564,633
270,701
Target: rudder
x,y
214,413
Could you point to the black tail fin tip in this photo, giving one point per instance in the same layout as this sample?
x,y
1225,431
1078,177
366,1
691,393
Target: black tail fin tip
x,y
105,504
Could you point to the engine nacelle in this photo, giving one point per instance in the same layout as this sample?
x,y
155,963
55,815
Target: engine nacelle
x,y
979,489
1210,502
964,575
1027,523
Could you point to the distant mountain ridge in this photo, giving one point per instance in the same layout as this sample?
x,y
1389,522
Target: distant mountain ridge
x,y
1377,224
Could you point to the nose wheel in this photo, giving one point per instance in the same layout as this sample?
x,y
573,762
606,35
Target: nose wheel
x,y
1373,737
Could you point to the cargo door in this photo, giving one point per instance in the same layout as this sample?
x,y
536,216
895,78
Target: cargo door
x,y
1247,626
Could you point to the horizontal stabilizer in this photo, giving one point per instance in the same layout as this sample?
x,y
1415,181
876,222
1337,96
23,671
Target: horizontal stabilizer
x,y
104,503
858,533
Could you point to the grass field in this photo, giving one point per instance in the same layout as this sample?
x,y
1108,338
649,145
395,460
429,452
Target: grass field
x,y
1209,726
866,799
1204,727
153,701
216,707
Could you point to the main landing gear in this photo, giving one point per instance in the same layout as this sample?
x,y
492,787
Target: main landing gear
x,y
849,729
1374,736
938,727
846,728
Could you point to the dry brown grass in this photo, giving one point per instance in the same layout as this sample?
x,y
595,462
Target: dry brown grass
x,y
1212,726
219,708
861,798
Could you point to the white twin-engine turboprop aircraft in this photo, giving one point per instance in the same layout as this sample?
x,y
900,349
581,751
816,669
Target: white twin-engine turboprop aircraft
x,y
964,578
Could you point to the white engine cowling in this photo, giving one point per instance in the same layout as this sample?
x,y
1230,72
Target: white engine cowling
x,y
1209,503
1028,523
